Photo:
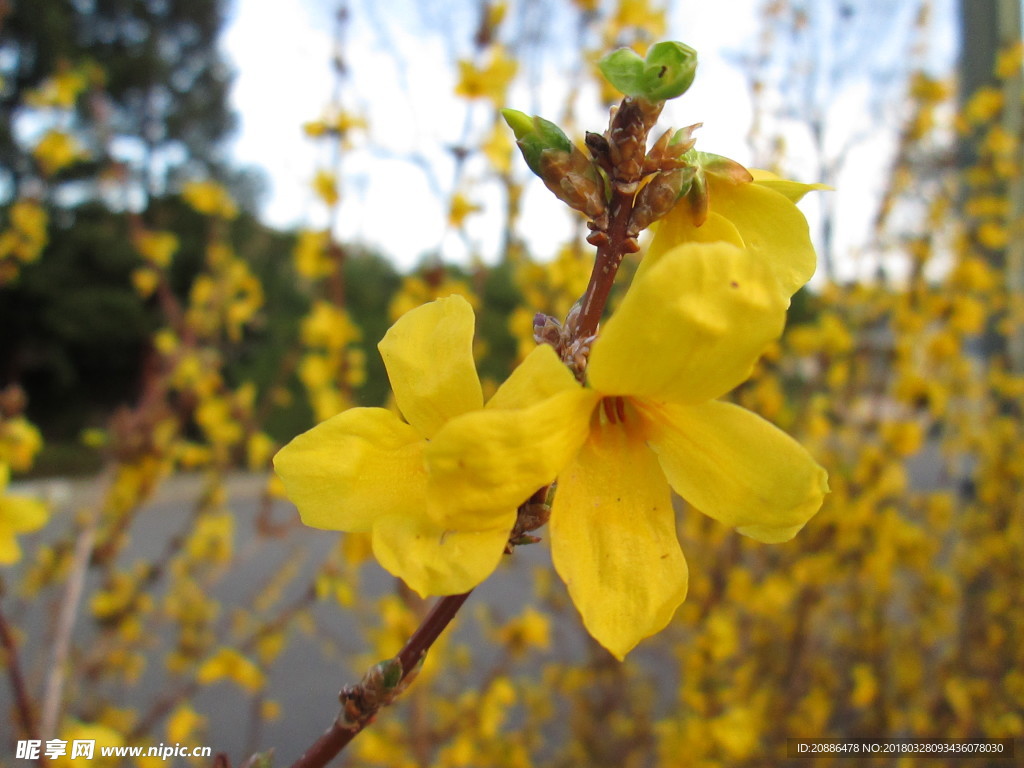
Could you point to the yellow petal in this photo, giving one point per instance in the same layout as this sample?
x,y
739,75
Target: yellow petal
x,y
738,468
347,472
22,514
613,540
495,459
678,228
10,552
435,561
771,226
793,191
429,356
538,377
690,327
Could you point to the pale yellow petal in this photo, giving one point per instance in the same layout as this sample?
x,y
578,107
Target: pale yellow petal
x,y
539,376
738,468
347,472
613,540
428,353
794,191
772,228
436,561
495,459
691,327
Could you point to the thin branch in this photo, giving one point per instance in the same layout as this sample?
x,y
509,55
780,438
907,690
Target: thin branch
x,y
22,702
54,695
340,734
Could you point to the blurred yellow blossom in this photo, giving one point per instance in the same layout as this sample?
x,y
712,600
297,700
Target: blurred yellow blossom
x,y
18,514
229,664
209,198
489,81
325,184
312,257
157,247
459,208
56,151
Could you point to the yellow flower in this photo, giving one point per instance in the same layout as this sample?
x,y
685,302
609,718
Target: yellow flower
x,y
459,208
312,257
325,184
760,216
18,514
689,330
157,247
227,663
209,198
57,150
364,470
20,441
490,81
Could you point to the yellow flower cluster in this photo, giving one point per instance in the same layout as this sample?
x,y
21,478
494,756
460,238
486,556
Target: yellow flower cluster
x,y
56,150
210,199
23,239
227,297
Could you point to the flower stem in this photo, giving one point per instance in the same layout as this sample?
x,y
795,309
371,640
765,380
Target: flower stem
x,y
606,265
620,152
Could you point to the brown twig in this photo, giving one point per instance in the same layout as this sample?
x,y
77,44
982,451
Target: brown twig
x,y
22,702
340,734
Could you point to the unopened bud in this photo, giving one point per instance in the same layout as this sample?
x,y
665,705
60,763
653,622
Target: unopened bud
x,y
547,330
683,139
574,180
563,168
534,135
659,196
666,72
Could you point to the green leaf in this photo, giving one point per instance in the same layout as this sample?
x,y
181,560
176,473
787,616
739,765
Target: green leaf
x,y
624,69
666,73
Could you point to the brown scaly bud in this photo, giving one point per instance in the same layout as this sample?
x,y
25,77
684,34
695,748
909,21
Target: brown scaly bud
x,y
547,330
657,154
658,197
627,139
683,140
574,180
599,150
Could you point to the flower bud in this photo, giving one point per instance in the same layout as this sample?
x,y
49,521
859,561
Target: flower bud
x,y
534,135
666,72
659,196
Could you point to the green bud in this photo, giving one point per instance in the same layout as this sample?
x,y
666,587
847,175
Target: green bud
x,y
666,72
390,673
534,135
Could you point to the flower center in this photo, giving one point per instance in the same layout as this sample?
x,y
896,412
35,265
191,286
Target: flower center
x,y
614,409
